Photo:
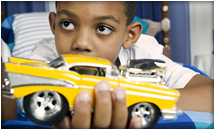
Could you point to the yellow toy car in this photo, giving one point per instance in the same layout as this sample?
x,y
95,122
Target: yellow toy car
x,y
49,88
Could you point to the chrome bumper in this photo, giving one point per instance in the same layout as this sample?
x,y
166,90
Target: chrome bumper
x,y
6,90
168,114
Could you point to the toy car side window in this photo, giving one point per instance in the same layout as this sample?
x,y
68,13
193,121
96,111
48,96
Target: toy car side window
x,y
89,70
56,63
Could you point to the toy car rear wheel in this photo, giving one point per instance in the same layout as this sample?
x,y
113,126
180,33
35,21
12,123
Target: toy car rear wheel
x,y
45,107
147,111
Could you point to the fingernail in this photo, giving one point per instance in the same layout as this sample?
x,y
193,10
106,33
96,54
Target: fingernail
x,y
119,94
84,96
138,125
103,86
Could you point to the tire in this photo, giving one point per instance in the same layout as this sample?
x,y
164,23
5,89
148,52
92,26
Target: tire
x,y
45,107
147,111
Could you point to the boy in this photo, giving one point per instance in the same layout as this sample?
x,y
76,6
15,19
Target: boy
x,y
105,29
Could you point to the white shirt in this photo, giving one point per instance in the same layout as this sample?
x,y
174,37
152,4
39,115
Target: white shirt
x,y
145,48
5,51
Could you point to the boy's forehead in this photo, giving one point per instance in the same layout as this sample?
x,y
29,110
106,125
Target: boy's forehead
x,y
94,3
99,6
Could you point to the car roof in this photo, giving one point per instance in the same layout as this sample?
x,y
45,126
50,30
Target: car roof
x,y
71,58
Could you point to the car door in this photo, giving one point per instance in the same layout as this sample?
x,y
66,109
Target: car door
x,y
91,75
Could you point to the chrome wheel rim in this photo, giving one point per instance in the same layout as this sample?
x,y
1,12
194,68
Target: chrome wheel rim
x,y
145,111
45,104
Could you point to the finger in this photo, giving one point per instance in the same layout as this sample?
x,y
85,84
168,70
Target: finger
x,y
120,110
67,122
103,105
82,115
135,123
64,124
54,126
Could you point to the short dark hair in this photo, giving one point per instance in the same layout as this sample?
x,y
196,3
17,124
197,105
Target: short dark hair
x,y
129,10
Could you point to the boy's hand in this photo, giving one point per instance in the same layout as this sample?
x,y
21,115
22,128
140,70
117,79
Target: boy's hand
x,y
110,110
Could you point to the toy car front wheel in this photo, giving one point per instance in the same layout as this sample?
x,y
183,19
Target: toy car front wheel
x,y
45,107
147,111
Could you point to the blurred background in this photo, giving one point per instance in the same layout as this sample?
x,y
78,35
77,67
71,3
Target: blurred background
x,y
191,33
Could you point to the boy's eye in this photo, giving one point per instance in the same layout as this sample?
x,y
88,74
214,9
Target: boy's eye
x,y
67,25
104,30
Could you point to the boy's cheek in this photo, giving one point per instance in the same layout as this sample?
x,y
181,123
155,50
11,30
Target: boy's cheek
x,y
62,46
110,53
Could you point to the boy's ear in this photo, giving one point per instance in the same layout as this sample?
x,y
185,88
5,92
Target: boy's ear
x,y
134,31
52,17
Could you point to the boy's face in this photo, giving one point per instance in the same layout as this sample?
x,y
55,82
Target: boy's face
x,y
90,28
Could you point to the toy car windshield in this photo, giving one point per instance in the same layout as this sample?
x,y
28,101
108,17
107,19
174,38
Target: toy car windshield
x,y
145,64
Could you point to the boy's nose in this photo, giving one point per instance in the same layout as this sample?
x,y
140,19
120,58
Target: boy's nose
x,y
83,42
